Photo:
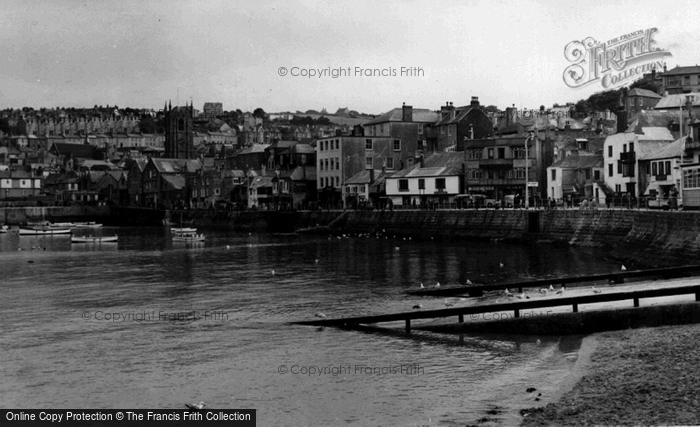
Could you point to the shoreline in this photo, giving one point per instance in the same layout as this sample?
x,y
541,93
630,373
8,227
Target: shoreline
x,y
633,377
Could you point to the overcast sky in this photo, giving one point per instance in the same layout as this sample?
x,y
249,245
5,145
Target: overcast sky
x,y
143,53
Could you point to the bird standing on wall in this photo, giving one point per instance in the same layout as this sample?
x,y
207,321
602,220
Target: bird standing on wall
x,y
196,406
421,286
623,268
437,285
469,282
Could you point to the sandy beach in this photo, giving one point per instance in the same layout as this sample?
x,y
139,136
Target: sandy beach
x,y
647,376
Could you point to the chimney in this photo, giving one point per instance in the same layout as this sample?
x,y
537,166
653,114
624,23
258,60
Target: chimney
x,y
422,161
407,115
371,176
475,102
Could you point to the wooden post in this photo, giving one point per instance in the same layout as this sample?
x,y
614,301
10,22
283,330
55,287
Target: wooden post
x,y
461,318
636,302
520,289
575,308
517,313
408,326
697,296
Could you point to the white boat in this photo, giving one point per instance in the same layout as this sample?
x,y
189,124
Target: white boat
x,y
188,237
42,230
4,229
93,239
87,225
183,230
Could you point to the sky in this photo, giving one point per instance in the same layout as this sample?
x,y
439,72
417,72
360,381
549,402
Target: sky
x,y
141,54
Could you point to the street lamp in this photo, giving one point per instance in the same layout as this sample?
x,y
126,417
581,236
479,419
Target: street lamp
x,y
527,161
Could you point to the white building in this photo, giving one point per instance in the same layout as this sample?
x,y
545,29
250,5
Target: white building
x,y
622,151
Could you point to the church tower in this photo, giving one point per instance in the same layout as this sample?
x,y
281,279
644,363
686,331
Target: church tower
x,y
179,133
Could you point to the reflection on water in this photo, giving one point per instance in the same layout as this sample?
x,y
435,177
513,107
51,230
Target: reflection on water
x,y
146,323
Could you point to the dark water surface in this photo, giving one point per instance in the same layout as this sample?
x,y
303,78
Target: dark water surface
x,y
147,323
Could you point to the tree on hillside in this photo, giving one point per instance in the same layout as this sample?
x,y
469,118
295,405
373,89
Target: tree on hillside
x,y
147,124
5,126
644,84
600,101
259,113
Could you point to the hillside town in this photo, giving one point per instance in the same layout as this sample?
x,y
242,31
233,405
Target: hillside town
x,y
643,152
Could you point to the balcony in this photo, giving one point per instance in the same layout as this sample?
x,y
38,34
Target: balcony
x,y
692,145
661,177
628,157
496,163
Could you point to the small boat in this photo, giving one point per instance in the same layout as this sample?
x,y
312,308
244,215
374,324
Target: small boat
x,y
43,230
93,239
4,228
91,224
188,237
182,230
61,224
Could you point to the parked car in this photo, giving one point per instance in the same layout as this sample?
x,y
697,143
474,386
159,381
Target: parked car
x,y
474,201
664,204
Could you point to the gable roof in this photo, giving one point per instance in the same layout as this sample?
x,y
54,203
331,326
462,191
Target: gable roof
x,y
668,151
651,118
419,115
643,92
674,101
176,165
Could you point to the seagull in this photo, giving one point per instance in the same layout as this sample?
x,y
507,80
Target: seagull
x,y
561,291
228,247
543,291
507,292
196,406
501,264
316,260
272,272
417,306
520,296
469,282
397,249
551,288
448,303
538,342
437,285
623,268
596,291
320,315
421,286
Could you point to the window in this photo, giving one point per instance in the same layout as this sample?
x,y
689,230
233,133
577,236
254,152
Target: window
x,y
490,153
420,128
596,175
421,183
609,150
631,146
619,167
654,169
501,153
475,154
618,188
554,174
403,185
337,181
181,125
368,163
439,183
397,145
368,144
668,167
217,191
390,163
518,153
449,130
337,163
610,169
588,174
337,144
686,80
331,164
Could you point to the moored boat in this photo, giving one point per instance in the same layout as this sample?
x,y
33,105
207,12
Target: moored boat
x,y
182,230
91,224
41,230
4,228
93,239
188,237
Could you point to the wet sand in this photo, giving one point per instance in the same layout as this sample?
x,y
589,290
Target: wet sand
x,y
648,376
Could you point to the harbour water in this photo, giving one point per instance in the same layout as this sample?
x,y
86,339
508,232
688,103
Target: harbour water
x,y
148,323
